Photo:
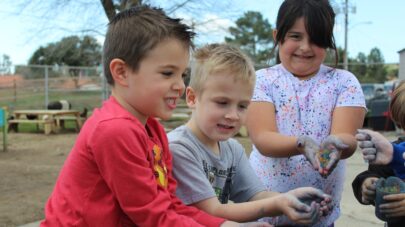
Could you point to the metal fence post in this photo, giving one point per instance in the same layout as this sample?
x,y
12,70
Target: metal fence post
x,y
46,86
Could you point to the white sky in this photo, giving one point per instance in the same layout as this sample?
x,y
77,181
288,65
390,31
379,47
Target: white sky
x,y
374,24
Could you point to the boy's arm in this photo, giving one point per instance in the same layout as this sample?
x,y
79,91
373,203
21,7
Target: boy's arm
x,y
398,160
242,212
291,204
124,162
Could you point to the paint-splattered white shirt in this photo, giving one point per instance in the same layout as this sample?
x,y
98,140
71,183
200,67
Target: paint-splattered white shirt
x,y
304,107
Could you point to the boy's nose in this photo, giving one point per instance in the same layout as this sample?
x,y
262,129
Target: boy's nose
x,y
179,86
233,114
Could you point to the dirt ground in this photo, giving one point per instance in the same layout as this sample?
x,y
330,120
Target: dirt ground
x,y
28,171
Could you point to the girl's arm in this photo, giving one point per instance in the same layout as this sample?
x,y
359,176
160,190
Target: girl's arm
x,y
345,122
263,131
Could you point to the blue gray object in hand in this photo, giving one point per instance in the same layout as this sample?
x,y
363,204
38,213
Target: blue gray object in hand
x,y
391,185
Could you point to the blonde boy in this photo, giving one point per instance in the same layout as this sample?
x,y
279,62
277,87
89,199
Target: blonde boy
x,y
211,167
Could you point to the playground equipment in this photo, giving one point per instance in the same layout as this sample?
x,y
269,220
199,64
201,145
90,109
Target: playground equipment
x,y
3,126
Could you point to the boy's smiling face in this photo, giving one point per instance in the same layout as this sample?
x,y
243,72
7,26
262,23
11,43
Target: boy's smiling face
x,y
219,109
154,89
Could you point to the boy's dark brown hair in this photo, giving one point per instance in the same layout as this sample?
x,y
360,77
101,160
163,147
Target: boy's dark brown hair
x,y
132,33
397,105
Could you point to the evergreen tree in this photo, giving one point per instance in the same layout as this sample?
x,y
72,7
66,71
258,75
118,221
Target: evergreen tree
x,y
254,35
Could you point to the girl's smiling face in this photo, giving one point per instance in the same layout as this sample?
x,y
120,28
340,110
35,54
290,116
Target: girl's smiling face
x,y
298,54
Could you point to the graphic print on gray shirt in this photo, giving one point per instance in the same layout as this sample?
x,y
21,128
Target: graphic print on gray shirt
x,y
201,174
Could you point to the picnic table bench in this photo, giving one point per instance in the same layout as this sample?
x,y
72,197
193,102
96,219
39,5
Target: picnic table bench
x,y
51,120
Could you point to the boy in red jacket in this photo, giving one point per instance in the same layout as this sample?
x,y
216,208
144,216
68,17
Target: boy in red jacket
x,y
119,172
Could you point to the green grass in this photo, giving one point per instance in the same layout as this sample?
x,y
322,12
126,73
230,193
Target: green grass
x,y
33,128
36,99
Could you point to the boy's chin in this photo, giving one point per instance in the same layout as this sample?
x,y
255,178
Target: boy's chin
x,y
165,117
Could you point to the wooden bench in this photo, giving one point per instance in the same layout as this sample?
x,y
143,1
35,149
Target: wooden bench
x,y
47,123
60,121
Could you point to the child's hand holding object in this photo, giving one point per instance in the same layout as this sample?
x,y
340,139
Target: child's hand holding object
x,y
329,154
324,157
309,148
376,149
306,205
368,190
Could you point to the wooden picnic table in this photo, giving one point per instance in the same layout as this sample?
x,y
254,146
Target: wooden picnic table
x,y
52,120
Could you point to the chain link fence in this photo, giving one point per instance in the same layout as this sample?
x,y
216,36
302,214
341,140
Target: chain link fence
x,y
34,86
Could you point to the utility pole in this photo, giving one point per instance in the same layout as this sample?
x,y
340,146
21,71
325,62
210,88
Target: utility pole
x,y
345,56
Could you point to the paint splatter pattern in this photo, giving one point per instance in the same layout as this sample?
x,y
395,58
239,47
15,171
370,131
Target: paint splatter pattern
x,y
304,107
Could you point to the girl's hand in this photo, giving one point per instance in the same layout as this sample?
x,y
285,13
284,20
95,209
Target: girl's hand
x,y
309,148
395,206
368,190
375,147
334,146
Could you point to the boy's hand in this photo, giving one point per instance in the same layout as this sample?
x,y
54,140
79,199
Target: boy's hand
x,y
334,146
309,148
248,224
310,194
376,149
305,205
256,224
395,206
368,190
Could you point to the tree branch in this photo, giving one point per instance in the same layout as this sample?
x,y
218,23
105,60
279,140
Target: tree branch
x,y
109,8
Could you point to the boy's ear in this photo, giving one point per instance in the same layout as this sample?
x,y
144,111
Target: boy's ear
x,y
274,34
191,97
119,70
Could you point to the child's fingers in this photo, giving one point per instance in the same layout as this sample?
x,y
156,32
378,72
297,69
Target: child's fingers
x,y
369,151
395,197
369,192
316,211
326,207
366,144
362,135
390,206
303,218
300,206
393,209
369,158
369,154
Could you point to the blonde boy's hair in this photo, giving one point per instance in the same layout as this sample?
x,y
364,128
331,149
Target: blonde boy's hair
x,y
217,58
397,105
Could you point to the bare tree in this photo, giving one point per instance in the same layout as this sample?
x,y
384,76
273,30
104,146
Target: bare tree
x,y
94,16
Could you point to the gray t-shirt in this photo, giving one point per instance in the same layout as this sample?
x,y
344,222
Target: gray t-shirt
x,y
201,174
